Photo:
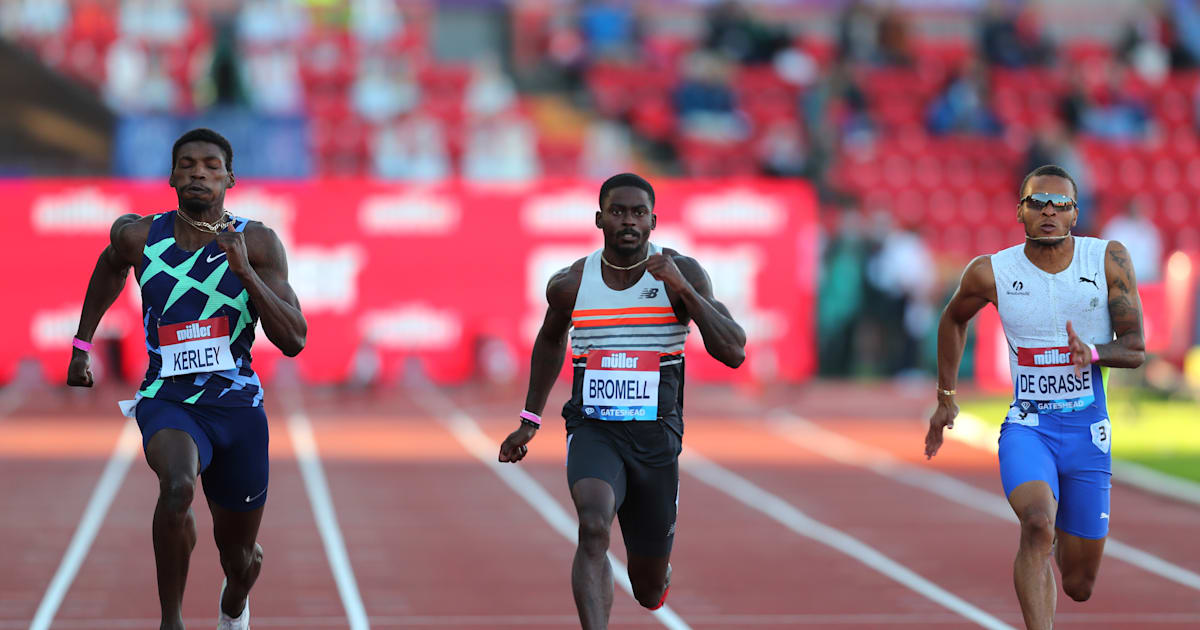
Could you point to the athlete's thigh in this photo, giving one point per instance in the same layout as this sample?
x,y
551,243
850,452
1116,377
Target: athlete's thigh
x,y
1026,455
593,453
652,500
1078,556
173,441
1085,483
237,477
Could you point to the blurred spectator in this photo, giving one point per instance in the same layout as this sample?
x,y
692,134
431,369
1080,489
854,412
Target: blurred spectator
x,y
1142,45
704,100
126,67
384,88
1185,19
157,93
895,46
841,294
411,148
271,21
501,148
34,18
782,150
835,113
901,277
858,33
608,29
1141,237
1006,40
1113,113
375,21
273,78
738,35
1055,144
490,90
964,106
158,21
607,149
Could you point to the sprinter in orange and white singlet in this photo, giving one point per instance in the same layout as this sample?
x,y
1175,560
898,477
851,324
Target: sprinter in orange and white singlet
x,y
627,308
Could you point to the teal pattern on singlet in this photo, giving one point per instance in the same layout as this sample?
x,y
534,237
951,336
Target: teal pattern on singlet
x,y
180,286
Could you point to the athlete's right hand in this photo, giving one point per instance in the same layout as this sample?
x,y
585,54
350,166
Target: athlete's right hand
x,y
942,418
79,373
513,448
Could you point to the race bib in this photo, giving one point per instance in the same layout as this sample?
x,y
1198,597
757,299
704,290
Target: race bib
x,y
197,346
621,385
1046,378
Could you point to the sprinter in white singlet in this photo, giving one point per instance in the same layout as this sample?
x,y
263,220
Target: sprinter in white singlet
x,y
627,308
1070,310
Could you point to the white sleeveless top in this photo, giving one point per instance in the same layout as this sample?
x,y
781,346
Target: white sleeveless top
x,y
626,351
638,318
1034,308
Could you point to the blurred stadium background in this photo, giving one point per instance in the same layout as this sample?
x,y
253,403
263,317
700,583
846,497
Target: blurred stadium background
x,y
834,164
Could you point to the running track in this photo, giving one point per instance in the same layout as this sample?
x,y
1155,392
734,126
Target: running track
x,y
807,508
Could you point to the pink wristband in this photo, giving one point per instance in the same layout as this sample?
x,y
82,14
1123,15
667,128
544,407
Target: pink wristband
x,y
1095,354
81,344
532,417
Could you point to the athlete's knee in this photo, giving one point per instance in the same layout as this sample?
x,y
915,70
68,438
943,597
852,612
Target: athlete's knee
x,y
175,493
1037,531
594,529
649,592
1079,586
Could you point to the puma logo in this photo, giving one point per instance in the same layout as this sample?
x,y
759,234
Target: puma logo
x,y
1082,279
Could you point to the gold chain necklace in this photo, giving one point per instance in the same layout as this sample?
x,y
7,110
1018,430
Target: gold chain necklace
x,y
215,227
636,264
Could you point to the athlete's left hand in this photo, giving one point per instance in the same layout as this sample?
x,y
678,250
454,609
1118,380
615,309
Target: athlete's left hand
x,y
1081,354
233,243
663,268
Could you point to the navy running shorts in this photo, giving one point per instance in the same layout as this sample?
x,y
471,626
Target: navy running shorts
x,y
232,442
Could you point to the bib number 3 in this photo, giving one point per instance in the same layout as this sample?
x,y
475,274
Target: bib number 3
x,y
1102,435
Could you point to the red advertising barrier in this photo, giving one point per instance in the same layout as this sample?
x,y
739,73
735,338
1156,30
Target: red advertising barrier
x,y
397,277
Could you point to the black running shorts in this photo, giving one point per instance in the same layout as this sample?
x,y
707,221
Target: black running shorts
x,y
640,460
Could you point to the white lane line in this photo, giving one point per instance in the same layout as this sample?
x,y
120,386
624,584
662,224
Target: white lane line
x,y
477,443
309,459
970,429
89,524
727,620
787,515
811,437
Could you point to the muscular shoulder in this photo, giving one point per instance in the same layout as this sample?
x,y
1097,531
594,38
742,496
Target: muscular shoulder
x,y
128,236
689,267
978,278
563,286
1117,265
261,241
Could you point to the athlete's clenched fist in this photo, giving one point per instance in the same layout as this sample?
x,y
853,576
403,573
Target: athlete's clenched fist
x,y
233,243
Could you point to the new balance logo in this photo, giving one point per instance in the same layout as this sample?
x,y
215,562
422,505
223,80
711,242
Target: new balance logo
x,y
647,294
619,360
193,331
1052,357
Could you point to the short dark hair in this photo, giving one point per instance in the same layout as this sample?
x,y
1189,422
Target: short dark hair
x,y
203,134
1052,170
625,179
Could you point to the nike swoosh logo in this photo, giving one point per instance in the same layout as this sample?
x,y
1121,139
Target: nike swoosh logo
x,y
212,258
251,499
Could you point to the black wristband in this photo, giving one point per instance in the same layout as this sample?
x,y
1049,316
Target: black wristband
x,y
530,423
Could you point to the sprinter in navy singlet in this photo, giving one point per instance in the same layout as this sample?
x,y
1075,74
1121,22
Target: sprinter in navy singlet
x,y
627,308
207,279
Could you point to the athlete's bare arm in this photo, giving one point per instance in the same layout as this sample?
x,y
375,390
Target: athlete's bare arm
x,y
689,285
257,258
549,349
1128,350
975,290
126,239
